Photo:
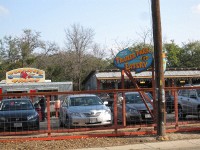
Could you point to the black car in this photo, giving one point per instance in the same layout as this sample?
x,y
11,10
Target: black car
x,y
136,110
18,113
169,103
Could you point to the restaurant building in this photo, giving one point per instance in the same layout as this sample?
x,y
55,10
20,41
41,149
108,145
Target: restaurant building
x,y
31,80
111,79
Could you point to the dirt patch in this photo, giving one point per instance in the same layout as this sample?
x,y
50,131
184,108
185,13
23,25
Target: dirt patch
x,y
93,142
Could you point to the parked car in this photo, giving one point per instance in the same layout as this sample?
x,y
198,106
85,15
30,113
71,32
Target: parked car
x,y
18,113
84,110
188,102
169,103
136,111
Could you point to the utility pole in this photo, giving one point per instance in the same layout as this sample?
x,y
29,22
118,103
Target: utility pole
x,y
159,71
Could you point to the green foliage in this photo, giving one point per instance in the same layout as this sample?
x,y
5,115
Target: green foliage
x,y
189,56
173,53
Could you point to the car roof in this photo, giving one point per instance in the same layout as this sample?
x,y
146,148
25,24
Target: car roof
x,y
83,95
11,99
134,92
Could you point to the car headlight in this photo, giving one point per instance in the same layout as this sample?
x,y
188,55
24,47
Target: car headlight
x,y
75,114
34,116
2,119
107,111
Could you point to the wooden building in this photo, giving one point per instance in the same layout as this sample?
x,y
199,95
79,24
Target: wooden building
x,y
111,79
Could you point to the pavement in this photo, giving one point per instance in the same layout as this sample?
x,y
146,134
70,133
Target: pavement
x,y
192,144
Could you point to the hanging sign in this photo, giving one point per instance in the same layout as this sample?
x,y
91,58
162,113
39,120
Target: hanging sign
x,y
138,61
25,75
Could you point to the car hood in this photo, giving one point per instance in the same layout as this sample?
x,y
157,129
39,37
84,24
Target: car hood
x,y
88,108
17,113
139,106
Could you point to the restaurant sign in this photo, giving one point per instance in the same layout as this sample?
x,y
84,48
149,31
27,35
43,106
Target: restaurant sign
x,y
25,75
139,60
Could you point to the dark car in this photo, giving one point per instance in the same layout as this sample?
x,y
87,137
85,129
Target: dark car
x,y
136,111
18,113
169,103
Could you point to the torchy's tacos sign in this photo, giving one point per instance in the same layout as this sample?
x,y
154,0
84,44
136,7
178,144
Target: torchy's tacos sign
x,y
139,60
25,75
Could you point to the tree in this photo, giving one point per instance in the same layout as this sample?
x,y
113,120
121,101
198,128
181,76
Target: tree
x,y
9,51
27,43
78,41
173,53
189,55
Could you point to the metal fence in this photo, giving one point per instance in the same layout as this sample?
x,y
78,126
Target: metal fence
x,y
128,115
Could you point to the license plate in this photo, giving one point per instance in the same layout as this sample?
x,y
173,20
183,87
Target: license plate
x,y
17,124
147,116
93,120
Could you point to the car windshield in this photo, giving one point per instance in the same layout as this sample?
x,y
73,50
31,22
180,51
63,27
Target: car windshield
x,y
8,105
134,98
85,101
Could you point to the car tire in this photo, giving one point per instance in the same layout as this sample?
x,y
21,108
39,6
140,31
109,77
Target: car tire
x,y
181,115
67,124
37,127
198,113
60,123
168,110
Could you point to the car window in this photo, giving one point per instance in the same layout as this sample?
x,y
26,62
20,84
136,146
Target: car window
x,y
184,93
133,98
85,101
16,105
136,98
193,94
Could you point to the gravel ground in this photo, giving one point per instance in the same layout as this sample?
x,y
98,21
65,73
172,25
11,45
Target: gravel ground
x,y
92,142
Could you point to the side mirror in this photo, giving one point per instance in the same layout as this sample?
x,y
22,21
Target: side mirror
x,y
105,102
120,99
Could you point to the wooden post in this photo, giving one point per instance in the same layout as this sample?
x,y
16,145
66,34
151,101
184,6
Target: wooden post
x,y
159,71
124,100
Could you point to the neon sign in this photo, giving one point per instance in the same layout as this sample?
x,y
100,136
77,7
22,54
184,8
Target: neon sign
x,y
138,61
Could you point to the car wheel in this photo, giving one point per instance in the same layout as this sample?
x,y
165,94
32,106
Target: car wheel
x,y
181,115
60,123
38,126
67,124
168,110
199,113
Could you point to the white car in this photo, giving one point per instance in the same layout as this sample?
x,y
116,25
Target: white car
x,y
84,110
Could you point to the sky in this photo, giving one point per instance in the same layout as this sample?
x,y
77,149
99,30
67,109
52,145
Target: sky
x,y
112,20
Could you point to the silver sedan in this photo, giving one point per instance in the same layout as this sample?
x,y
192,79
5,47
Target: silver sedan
x,y
84,110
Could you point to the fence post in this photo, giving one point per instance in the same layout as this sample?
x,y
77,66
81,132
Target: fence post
x,y
115,112
176,108
48,116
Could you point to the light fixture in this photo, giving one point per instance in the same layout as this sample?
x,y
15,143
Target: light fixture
x,y
182,81
142,82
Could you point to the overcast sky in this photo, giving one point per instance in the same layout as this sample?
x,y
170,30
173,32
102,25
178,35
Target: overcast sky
x,y
111,20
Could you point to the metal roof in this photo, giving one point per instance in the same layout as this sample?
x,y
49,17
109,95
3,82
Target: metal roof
x,y
148,74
